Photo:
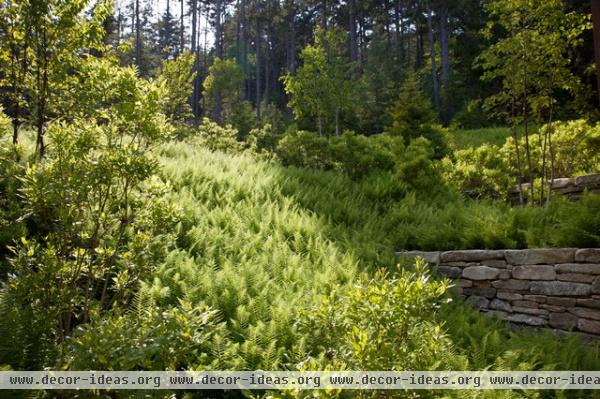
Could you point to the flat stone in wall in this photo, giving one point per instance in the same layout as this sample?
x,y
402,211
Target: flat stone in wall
x,y
557,288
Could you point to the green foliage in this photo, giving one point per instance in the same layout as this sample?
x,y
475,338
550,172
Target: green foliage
x,y
576,148
263,140
43,43
94,228
321,89
531,58
412,116
481,172
575,224
216,137
355,155
462,139
488,343
147,338
306,149
224,81
108,93
11,228
4,124
474,116
271,115
488,170
177,76
381,322
243,119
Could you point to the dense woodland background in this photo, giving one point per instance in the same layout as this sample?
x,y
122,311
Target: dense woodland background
x,y
384,40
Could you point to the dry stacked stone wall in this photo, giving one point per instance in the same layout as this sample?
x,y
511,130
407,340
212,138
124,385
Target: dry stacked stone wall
x,y
573,188
556,288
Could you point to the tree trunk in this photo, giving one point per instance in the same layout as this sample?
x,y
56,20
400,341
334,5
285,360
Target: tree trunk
x,y
444,52
527,147
353,40
244,58
181,30
324,15
257,42
398,26
138,39
15,123
445,56
268,55
419,52
434,77
337,121
517,154
596,23
194,24
195,94
218,54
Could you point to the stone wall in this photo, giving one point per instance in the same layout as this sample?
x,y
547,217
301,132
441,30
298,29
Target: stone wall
x,y
556,288
573,188
570,187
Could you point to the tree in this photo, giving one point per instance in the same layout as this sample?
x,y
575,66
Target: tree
x,y
15,53
168,39
223,82
178,76
322,86
43,43
531,62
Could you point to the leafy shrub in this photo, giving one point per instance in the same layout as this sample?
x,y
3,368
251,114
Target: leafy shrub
x,y
148,338
480,172
243,119
95,226
216,137
575,224
270,114
306,149
11,228
416,167
263,139
576,147
358,155
177,77
107,93
355,155
383,322
490,171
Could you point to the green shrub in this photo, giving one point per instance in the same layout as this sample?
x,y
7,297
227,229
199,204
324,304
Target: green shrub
x,y
216,137
147,338
481,172
11,171
263,140
95,226
177,76
306,149
576,147
381,322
